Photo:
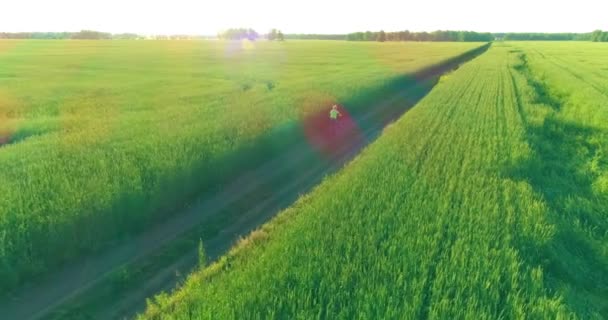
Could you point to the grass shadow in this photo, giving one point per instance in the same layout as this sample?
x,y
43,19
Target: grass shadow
x,y
563,171
25,131
559,172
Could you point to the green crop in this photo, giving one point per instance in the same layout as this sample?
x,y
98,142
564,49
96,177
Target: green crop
x,y
487,200
99,139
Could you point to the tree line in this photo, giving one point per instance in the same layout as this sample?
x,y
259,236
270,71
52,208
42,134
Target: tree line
x,y
531,36
84,34
250,34
463,36
304,36
599,36
96,35
239,34
275,34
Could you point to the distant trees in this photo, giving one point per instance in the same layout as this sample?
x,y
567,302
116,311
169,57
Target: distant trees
x,y
35,35
357,36
272,35
81,35
275,34
541,36
599,36
381,36
315,36
126,36
423,36
369,36
239,34
84,34
470,36
447,35
419,36
91,35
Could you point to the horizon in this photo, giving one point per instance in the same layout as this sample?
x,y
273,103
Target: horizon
x,y
188,17
297,33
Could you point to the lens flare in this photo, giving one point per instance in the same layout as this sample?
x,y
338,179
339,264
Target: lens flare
x,y
236,47
332,138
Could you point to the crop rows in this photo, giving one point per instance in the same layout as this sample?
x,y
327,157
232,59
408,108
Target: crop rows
x,y
479,203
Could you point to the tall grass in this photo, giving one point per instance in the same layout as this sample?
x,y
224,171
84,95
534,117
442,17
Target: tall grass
x,y
567,128
460,210
105,138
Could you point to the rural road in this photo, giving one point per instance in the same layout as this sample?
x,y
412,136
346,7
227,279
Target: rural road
x,y
246,202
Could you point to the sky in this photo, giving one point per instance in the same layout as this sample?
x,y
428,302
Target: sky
x,y
208,17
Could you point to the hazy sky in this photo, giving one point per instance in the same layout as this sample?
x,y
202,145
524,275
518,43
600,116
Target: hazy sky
x,y
302,16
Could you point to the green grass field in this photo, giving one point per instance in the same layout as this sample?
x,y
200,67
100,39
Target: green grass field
x,y
101,138
488,200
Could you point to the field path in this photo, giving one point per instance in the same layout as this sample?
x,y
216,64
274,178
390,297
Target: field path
x,y
83,290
